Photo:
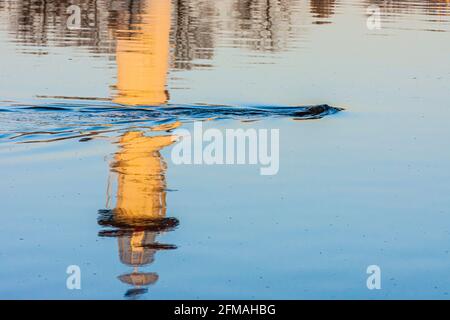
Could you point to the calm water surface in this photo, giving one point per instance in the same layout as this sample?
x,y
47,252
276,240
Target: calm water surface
x,y
86,132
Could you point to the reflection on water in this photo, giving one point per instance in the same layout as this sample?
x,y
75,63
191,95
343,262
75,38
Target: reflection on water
x,y
142,57
146,35
263,23
140,211
105,23
151,42
322,9
147,43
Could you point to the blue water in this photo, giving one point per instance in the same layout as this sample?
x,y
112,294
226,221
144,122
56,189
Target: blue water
x,y
365,186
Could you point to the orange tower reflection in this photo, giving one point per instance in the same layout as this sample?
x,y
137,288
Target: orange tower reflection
x,y
142,57
140,211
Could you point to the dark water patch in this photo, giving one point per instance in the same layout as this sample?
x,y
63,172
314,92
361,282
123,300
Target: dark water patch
x,y
46,108
158,246
23,134
85,139
111,218
135,292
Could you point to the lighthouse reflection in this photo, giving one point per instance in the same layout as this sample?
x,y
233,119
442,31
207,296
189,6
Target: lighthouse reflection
x,y
142,56
139,215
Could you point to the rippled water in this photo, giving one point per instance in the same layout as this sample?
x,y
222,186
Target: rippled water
x,y
87,119
66,121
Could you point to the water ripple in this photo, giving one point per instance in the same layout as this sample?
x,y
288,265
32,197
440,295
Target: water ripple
x,y
60,121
